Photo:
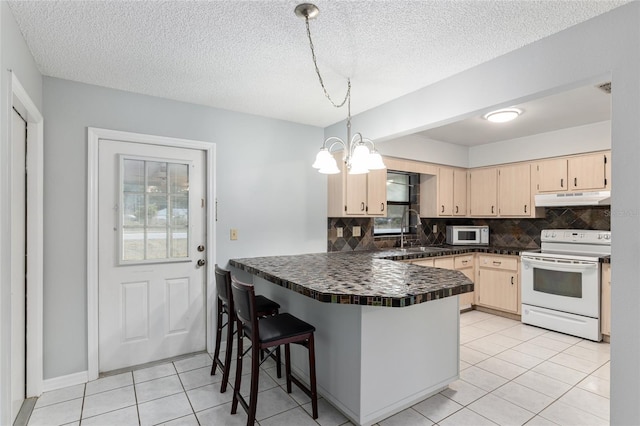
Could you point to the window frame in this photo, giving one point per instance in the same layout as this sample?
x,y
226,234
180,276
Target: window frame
x,y
408,205
120,211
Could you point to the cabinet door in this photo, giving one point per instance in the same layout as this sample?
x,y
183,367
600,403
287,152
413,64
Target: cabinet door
x,y
514,184
377,193
423,262
459,192
445,191
443,262
484,192
356,194
465,265
605,310
497,289
552,175
587,172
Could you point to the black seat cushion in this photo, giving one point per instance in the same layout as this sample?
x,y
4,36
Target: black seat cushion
x,y
266,305
282,326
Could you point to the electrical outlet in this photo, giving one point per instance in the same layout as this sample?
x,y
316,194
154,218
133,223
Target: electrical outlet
x,y
434,229
356,231
340,232
233,234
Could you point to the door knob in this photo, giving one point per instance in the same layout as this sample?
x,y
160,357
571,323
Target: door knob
x,y
201,262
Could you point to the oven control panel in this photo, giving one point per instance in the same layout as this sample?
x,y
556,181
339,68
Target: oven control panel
x,y
580,236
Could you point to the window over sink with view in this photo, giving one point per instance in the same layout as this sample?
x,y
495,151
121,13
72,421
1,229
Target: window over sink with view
x,y
402,194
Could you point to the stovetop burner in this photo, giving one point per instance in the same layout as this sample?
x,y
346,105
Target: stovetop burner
x,y
574,243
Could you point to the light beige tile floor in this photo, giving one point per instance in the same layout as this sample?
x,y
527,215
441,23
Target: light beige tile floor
x,y
511,374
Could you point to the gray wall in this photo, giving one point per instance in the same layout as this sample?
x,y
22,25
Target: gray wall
x,y
266,189
607,46
14,55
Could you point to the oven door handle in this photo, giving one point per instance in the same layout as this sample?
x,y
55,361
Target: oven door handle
x,y
559,264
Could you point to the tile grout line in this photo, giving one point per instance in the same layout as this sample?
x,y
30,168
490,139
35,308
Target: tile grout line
x,y
573,386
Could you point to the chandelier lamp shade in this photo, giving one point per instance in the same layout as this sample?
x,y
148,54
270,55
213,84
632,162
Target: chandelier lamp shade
x,y
358,157
360,153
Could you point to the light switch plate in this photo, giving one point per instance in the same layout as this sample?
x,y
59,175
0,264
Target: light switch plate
x,y
356,231
435,229
340,232
233,234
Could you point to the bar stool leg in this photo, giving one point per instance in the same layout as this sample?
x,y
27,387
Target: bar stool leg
x,y
253,393
287,366
227,355
216,351
312,377
278,363
236,386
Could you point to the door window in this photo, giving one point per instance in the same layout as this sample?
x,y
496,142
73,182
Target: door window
x,y
154,216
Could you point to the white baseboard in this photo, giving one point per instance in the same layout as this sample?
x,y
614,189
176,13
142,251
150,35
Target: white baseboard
x,y
64,381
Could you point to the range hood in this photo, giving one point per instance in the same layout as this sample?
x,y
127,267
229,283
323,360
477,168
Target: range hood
x,y
596,198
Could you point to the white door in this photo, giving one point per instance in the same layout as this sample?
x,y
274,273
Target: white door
x,y
18,263
152,213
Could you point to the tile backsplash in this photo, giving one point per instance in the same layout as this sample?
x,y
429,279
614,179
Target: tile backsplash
x,y
516,233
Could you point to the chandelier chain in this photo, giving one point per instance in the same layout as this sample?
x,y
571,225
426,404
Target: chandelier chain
x,y
347,96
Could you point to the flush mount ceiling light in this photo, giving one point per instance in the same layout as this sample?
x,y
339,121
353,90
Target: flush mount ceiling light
x,y
357,155
503,115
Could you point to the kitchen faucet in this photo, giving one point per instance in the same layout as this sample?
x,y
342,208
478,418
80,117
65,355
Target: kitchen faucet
x,y
407,213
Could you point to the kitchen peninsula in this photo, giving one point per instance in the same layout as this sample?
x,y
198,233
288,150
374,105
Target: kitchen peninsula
x,y
387,332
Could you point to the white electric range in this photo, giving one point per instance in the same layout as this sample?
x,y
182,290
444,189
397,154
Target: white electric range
x,y
561,281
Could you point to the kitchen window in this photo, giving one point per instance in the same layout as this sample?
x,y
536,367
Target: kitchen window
x,y
401,195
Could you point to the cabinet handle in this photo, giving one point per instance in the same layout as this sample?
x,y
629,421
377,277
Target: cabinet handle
x,y
381,207
497,263
525,208
492,209
456,209
442,209
575,181
562,183
511,280
465,262
362,206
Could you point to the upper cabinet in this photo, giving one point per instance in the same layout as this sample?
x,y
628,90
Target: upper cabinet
x,y
514,183
459,206
501,191
357,195
444,194
483,192
552,175
504,191
587,172
576,173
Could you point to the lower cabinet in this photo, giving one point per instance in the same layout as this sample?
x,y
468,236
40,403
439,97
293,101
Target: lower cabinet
x,y
496,279
605,300
498,282
466,265
462,263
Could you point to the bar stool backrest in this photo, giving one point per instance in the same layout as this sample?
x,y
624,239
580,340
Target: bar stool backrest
x,y
244,298
223,285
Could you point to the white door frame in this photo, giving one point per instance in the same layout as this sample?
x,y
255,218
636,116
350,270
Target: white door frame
x,y
35,228
94,135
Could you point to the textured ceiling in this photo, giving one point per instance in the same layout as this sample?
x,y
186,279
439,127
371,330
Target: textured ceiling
x,y
576,107
253,56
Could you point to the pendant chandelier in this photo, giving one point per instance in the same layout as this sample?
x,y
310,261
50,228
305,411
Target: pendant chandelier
x,y
357,155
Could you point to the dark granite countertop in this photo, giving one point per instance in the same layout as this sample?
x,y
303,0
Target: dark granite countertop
x,y
359,278
435,251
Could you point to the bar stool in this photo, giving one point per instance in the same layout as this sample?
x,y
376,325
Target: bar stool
x,y
264,307
265,333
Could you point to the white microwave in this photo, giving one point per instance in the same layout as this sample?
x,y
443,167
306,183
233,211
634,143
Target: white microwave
x,y
468,235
